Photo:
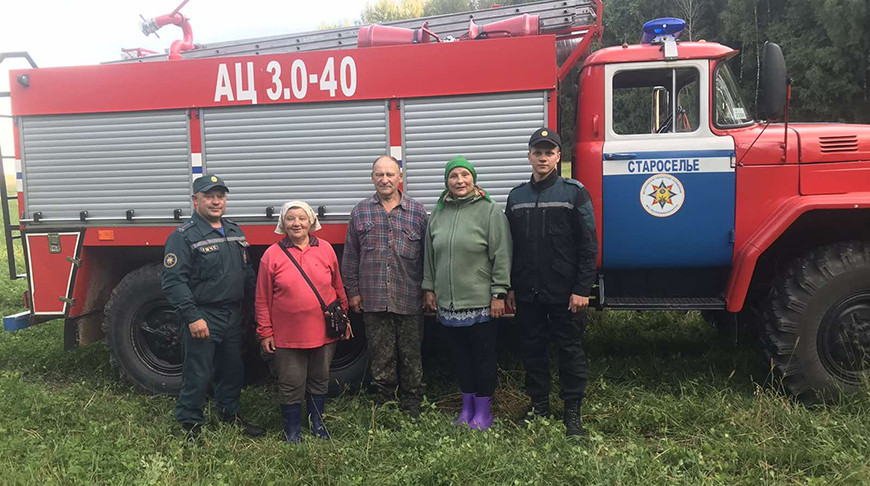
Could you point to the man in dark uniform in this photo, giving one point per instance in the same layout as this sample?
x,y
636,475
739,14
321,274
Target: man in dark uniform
x,y
206,274
555,251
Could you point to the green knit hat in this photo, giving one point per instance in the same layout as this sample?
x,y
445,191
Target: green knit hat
x,y
459,161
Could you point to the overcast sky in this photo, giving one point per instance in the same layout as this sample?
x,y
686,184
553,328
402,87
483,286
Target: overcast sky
x,y
78,32
67,32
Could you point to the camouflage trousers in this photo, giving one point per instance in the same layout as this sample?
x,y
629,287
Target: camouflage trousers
x,y
395,342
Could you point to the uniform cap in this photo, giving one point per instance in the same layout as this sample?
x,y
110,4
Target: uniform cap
x,y
208,182
545,135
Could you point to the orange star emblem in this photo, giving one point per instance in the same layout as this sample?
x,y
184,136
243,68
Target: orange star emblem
x,y
663,194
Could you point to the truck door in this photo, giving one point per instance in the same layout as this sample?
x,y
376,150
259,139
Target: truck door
x,y
668,188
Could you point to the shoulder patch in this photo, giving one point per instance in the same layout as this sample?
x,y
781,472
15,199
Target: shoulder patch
x,y
170,260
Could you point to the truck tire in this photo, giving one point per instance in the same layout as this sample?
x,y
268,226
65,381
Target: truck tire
x,y
142,333
817,322
349,371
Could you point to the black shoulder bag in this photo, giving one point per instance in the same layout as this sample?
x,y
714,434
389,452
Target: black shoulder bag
x,y
334,315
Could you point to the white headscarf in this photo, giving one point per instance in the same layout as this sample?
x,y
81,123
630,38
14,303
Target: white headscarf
x,y
315,224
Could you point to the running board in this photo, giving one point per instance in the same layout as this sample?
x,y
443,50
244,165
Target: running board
x,y
665,304
17,322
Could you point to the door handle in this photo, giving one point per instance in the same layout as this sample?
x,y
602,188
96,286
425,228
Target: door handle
x,y
620,156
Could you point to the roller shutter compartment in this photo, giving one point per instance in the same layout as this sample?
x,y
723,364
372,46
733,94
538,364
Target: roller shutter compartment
x,y
106,164
320,153
492,131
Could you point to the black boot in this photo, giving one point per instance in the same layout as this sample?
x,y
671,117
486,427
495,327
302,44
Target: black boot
x,y
247,428
316,404
573,427
191,431
410,406
537,408
292,422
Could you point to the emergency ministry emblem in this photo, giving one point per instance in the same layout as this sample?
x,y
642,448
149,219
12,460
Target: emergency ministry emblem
x,y
170,260
662,195
213,179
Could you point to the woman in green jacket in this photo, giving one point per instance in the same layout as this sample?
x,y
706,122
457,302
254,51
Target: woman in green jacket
x,y
466,274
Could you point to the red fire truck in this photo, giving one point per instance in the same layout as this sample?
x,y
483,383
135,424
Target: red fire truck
x,y
698,204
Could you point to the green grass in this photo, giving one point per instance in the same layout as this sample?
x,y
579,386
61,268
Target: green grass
x,y
668,403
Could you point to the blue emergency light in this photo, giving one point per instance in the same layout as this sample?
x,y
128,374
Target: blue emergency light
x,y
655,29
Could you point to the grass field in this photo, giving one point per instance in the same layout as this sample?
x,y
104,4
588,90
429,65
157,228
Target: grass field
x,y
668,403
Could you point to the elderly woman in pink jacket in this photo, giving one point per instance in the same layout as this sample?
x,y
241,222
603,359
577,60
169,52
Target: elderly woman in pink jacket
x,y
290,320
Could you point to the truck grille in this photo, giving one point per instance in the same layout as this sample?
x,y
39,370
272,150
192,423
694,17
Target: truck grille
x,y
845,143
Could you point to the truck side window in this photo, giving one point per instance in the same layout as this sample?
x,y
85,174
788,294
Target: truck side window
x,y
643,102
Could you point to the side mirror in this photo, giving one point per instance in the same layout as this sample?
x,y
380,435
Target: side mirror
x,y
774,81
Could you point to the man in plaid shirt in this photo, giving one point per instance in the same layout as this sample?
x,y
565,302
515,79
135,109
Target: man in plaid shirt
x,y
382,268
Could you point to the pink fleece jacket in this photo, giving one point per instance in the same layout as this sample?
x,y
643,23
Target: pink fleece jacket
x,y
286,306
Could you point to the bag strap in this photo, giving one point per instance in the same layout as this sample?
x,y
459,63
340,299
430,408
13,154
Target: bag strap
x,y
316,293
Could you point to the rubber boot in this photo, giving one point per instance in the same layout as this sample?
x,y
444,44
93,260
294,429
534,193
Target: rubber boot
x,y
467,412
292,422
316,404
482,413
573,426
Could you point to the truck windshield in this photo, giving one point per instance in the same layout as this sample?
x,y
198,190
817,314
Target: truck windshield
x,y
729,108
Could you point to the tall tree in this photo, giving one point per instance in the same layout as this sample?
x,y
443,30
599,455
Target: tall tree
x,y
388,10
690,11
441,7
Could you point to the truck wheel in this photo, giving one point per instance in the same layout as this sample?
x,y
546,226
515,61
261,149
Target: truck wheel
x,y
142,333
817,323
350,364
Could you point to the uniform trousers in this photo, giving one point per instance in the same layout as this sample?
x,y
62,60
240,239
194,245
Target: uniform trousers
x,y
540,324
474,357
220,356
395,343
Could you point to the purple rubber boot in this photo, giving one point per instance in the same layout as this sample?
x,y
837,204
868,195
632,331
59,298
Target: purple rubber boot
x,y
482,413
467,409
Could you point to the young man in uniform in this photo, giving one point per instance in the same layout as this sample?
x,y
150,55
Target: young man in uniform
x,y
555,251
205,276
382,268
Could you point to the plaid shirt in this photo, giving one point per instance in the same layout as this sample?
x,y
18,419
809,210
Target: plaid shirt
x,y
383,255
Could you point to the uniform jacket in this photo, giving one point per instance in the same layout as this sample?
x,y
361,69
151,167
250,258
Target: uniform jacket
x,y
555,246
203,267
468,253
286,306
